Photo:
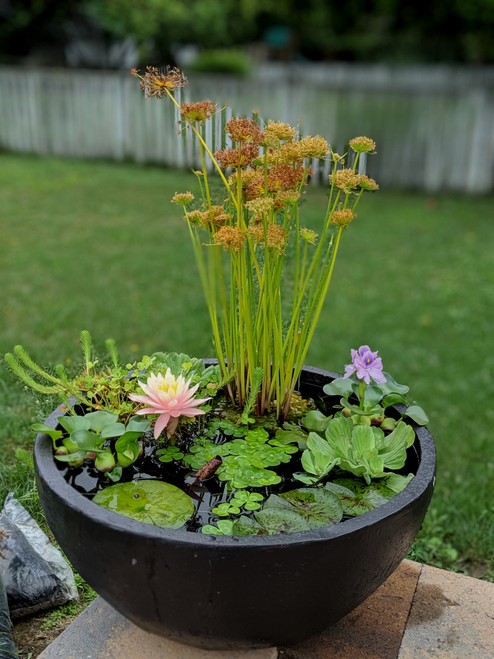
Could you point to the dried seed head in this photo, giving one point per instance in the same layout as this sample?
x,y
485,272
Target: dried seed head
x,y
217,217
243,130
256,232
276,238
157,83
284,176
237,157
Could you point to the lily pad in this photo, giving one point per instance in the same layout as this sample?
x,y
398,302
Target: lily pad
x,y
300,510
359,497
149,501
281,520
318,506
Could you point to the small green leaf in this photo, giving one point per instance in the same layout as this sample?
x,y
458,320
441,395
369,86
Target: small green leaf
x,y
373,395
393,399
225,509
98,420
292,434
72,423
225,527
417,414
306,478
112,430
396,482
86,440
392,387
316,421
48,430
339,387
209,529
115,475
138,424
169,454
72,457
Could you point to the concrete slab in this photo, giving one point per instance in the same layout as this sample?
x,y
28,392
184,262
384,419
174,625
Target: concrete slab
x,y
452,616
99,632
419,611
374,630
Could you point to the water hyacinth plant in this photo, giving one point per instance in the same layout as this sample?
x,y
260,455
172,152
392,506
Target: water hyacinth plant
x,y
256,324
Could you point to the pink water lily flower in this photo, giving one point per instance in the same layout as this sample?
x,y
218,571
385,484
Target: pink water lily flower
x,y
366,364
170,397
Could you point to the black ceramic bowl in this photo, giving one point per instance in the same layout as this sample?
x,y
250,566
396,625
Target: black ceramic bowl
x,y
220,592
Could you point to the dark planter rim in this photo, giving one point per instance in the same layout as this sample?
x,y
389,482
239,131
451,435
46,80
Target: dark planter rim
x,y
48,471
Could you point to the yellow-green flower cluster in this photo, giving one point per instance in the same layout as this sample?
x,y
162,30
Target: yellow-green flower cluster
x,y
362,145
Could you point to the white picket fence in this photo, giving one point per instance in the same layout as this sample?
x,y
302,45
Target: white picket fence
x,y
434,127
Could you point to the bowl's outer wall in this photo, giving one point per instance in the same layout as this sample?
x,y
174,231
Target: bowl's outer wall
x,y
222,592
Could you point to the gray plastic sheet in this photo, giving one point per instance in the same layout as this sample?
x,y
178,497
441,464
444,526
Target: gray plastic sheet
x,y
35,574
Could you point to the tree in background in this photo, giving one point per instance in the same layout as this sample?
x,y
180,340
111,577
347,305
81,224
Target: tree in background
x,y
354,30
25,24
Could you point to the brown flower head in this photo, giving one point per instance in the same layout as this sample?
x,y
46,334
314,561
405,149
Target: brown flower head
x,y
255,186
345,179
182,198
196,112
243,130
217,217
237,157
248,176
343,217
284,176
256,233
363,144
231,238
276,238
157,83
367,183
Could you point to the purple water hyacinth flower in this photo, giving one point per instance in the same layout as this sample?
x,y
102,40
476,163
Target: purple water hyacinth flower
x,y
366,364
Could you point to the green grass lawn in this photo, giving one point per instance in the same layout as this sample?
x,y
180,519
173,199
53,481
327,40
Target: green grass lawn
x,y
98,246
